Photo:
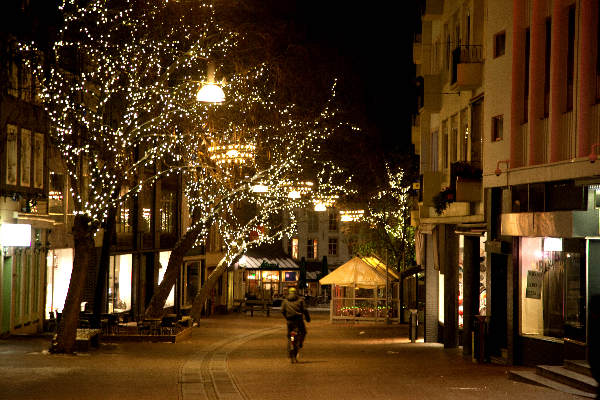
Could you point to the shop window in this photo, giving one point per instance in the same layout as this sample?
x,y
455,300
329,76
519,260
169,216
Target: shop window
x,y
565,195
59,265
192,282
167,211
499,44
333,243
119,283
552,287
311,249
163,259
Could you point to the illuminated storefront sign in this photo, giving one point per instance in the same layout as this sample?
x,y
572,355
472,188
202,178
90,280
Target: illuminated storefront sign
x,y
17,235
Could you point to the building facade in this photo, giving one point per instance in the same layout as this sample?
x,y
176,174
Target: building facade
x,y
447,133
539,134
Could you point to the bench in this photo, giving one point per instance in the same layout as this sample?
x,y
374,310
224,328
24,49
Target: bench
x,y
87,338
259,305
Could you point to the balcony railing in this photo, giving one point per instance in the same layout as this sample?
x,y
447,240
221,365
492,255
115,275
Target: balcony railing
x,y
465,54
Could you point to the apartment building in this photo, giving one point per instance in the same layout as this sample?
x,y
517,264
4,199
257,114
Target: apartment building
x,y
449,53
539,131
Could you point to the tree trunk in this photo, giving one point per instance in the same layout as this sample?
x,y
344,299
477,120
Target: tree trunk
x,y
204,291
84,246
109,232
183,245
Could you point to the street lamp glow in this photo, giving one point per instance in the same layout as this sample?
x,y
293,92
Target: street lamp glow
x,y
210,93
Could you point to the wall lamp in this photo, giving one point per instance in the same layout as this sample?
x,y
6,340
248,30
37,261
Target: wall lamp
x,y
498,171
593,155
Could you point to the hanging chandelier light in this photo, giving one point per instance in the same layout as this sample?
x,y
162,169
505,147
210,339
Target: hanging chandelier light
x,y
324,202
232,153
351,215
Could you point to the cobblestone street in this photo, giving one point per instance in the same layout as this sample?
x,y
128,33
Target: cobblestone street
x,y
241,357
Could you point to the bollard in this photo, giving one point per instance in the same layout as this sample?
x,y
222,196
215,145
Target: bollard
x,y
412,327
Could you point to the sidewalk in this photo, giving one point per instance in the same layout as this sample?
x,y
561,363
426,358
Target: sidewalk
x,y
339,361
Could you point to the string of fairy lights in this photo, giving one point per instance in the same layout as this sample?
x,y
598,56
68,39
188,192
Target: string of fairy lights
x,y
121,100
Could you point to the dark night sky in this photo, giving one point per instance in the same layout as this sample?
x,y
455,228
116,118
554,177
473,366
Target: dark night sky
x,y
375,39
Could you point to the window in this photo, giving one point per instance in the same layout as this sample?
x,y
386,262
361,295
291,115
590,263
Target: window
x,y
598,57
311,249
333,221
445,144
552,287
547,54
56,194
313,222
294,251
453,138
163,260
434,151
526,77
571,58
464,135
119,283
497,128
167,211
332,246
499,44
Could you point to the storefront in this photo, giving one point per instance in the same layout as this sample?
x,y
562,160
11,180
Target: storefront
x,y
22,275
552,292
267,278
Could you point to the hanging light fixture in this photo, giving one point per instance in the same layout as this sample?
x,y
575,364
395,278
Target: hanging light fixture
x,y
210,92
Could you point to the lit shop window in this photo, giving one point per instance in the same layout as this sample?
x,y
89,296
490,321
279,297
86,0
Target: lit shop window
x,y
164,261
59,264
119,283
552,287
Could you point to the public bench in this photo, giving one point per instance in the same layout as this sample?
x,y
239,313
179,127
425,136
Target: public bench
x,y
259,305
87,338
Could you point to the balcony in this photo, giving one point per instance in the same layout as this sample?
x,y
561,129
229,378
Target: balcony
x,y
467,67
433,9
466,178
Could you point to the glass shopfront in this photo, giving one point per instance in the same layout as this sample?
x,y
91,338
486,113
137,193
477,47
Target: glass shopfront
x,y
269,284
59,265
119,283
163,259
552,283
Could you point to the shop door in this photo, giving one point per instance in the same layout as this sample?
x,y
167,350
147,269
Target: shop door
x,y
6,294
498,300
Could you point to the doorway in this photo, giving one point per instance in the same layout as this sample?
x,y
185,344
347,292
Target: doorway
x,y
498,304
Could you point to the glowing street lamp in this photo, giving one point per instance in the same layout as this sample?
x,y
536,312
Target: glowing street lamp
x,y
210,92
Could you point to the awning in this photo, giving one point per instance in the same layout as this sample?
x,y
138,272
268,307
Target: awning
x,y
362,272
267,263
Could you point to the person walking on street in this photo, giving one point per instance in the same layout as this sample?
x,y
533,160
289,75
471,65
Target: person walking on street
x,y
294,310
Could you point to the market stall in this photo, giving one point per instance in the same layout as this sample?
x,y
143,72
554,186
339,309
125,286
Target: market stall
x,y
358,291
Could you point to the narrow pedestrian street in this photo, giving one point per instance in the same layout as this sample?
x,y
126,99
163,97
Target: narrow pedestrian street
x,y
241,357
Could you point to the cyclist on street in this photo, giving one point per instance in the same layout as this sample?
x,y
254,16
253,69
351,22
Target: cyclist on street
x,y
294,310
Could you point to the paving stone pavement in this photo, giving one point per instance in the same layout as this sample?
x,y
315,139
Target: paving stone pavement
x,y
238,357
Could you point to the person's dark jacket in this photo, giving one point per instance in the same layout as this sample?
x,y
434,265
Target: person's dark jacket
x,y
293,307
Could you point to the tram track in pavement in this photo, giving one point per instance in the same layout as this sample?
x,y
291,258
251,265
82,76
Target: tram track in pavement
x,y
206,376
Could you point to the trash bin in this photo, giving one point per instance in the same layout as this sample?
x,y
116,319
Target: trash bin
x,y
413,323
479,338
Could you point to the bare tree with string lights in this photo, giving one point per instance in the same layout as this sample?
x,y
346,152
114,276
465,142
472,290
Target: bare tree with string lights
x,y
258,160
112,86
